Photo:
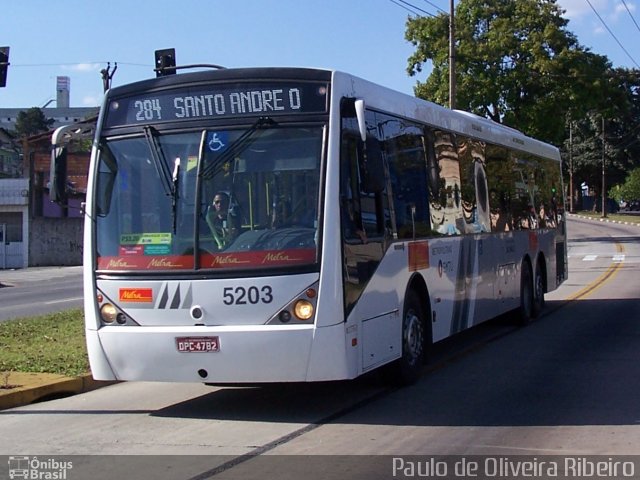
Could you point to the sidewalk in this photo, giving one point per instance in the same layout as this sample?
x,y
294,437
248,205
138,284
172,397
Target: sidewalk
x,y
604,220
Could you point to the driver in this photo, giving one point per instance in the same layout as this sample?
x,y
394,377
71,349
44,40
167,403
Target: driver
x,y
222,223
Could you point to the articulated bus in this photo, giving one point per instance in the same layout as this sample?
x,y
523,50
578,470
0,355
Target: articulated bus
x,y
259,225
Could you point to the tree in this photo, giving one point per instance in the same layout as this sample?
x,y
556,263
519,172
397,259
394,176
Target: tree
x,y
623,126
32,121
630,190
516,63
621,135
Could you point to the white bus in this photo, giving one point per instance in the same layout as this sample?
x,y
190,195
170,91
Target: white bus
x,y
288,225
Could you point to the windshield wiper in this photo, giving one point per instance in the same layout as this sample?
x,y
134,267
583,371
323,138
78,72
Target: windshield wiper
x,y
174,197
158,160
169,182
234,148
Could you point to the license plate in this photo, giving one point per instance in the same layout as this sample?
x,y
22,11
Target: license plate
x,y
197,344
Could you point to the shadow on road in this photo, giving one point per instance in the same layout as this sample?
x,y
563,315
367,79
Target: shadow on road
x,y
576,366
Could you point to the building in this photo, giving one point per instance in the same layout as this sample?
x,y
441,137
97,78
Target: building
x,y
10,156
14,222
33,230
61,116
62,113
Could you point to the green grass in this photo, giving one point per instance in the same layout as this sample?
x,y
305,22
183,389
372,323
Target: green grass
x,y
53,343
611,216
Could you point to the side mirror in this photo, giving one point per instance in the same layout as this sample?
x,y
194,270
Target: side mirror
x,y
58,167
370,158
360,115
58,181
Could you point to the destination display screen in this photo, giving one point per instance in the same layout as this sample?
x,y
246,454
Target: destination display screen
x,y
218,101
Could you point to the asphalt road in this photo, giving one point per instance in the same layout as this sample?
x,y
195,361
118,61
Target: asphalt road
x,y
567,385
40,290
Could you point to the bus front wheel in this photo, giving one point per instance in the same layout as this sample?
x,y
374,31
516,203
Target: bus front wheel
x,y
538,292
408,367
526,310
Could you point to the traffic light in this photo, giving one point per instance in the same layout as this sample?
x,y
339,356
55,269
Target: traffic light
x,y
165,62
4,65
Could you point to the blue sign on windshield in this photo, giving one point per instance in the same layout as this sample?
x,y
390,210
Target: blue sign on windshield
x,y
217,141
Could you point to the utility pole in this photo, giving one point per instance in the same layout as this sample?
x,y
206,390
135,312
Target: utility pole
x,y
604,177
570,166
107,75
452,58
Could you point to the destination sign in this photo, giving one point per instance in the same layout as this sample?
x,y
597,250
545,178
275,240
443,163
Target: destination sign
x,y
218,101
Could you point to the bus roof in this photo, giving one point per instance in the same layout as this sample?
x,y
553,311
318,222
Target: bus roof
x,y
458,121
376,96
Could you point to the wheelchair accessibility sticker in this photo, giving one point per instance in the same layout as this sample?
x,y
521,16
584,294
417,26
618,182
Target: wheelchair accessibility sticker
x,y
217,141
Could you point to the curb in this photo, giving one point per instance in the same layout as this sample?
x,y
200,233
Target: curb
x,y
602,220
34,387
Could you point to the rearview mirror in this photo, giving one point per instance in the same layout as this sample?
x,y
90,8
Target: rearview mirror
x,y
360,115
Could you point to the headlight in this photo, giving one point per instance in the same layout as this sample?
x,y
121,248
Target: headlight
x,y
109,313
303,309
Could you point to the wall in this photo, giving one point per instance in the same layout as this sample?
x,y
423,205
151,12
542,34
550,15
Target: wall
x,y
14,213
55,241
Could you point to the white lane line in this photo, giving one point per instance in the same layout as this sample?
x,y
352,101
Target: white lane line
x,y
62,300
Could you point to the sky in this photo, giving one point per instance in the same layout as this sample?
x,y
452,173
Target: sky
x,y
76,38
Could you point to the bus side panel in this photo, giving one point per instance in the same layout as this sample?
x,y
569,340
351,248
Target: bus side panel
x,y
377,313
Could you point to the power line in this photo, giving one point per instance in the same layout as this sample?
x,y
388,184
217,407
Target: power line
x,y
436,7
612,34
406,8
75,64
630,14
411,6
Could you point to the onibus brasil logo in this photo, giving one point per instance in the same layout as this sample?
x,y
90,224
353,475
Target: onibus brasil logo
x,y
37,469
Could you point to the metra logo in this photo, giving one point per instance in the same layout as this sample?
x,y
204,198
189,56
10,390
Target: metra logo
x,y
119,263
278,257
227,260
163,262
138,295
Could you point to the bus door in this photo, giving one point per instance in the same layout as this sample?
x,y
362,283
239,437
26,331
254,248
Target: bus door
x,y
370,298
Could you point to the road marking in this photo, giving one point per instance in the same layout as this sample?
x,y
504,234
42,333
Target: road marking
x,y
62,300
618,258
589,258
598,282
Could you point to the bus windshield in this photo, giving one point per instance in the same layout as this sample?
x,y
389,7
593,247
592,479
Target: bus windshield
x,y
224,198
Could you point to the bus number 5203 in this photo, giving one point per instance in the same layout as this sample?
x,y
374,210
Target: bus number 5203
x,y
244,296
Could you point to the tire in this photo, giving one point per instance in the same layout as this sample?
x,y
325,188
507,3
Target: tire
x,y
538,292
407,369
525,311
